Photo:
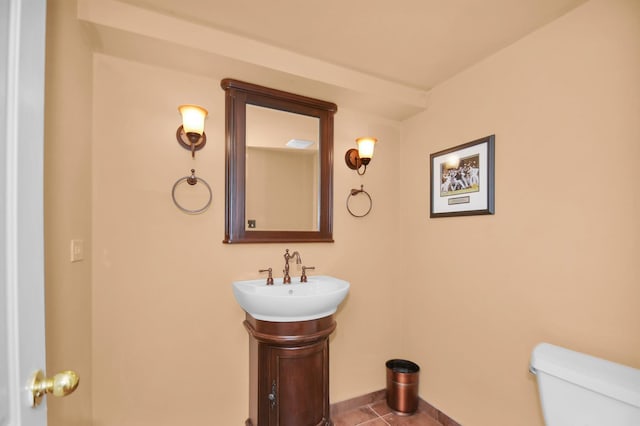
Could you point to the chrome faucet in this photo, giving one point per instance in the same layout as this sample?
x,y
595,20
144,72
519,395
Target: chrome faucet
x,y
287,256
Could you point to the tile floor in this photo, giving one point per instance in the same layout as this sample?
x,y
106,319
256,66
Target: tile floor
x,y
378,413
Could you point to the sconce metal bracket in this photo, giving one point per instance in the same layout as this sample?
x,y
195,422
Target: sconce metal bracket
x,y
353,159
186,143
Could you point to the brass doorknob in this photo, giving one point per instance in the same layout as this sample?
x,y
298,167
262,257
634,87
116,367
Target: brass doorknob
x,y
62,384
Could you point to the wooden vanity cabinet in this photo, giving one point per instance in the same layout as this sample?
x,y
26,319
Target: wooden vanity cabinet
x,y
289,372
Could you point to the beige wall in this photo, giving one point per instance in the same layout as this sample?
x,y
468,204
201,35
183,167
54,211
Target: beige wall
x,y
466,298
169,345
559,260
67,204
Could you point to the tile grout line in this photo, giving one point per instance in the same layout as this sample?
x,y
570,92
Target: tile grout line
x,y
373,420
388,417
374,410
378,414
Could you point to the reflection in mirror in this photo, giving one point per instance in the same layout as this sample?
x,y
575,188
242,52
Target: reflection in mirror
x,y
279,165
282,164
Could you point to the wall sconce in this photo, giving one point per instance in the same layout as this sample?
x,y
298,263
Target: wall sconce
x,y
356,158
191,134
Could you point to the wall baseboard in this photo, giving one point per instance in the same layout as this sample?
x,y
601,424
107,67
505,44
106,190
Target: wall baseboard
x,y
379,395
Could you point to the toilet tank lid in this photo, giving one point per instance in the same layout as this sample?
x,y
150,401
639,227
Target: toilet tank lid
x,y
599,375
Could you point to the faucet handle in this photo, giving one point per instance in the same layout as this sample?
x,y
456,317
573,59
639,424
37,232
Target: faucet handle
x,y
270,277
303,277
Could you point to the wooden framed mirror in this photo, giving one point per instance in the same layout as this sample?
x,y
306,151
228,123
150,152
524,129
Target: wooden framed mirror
x,y
279,166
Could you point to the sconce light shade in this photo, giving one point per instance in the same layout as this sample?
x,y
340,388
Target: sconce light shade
x,y
366,146
191,134
356,158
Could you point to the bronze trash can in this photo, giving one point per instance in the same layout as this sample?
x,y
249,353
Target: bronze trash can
x,y
402,386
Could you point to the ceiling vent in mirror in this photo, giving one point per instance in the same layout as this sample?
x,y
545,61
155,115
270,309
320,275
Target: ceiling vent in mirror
x,y
299,144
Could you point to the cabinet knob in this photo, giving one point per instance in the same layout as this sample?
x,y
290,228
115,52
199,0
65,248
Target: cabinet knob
x,y
272,395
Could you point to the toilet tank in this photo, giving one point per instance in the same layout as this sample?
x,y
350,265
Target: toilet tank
x,y
579,389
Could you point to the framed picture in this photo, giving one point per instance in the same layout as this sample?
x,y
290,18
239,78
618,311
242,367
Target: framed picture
x,y
462,179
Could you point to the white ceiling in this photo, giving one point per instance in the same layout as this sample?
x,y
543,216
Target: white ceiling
x,y
406,47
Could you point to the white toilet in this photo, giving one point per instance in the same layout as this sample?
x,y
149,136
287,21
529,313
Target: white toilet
x,y
581,390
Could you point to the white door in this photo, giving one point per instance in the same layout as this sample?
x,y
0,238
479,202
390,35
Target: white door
x,y
22,345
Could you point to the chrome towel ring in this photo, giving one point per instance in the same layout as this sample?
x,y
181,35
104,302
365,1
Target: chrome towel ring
x,y
355,192
191,180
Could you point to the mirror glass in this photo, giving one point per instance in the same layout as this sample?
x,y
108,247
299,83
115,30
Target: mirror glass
x,y
279,165
282,164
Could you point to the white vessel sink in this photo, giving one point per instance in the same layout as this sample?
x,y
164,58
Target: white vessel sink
x,y
317,298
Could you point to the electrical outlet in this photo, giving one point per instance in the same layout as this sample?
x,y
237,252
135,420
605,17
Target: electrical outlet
x,y
77,250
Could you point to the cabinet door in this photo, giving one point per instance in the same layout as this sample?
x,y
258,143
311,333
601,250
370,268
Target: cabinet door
x,y
302,385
